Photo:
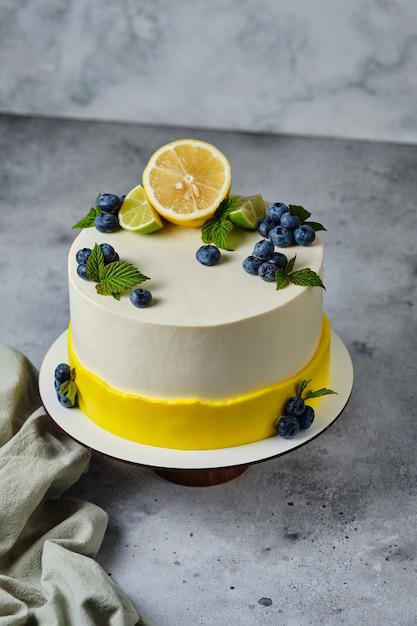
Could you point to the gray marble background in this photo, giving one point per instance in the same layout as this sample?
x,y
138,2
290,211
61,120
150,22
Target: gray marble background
x,y
323,68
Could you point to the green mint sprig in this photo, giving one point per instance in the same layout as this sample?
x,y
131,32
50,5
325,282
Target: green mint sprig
x,y
304,277
88,220
312,394
303,215
114,278
216,229
69,388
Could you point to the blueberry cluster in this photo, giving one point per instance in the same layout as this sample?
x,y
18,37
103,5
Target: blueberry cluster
x,y
138,297
264,260
62,375
298,416
284,228
109,253
108,205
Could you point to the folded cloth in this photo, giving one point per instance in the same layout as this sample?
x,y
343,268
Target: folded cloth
x,y
47,541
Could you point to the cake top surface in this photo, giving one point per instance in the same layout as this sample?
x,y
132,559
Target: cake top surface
x,y
185,292
185,199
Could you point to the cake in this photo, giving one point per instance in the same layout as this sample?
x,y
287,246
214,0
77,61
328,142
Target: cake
x,y
213,359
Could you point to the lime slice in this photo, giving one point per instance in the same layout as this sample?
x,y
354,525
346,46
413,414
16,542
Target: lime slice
x,y
249,212
137,215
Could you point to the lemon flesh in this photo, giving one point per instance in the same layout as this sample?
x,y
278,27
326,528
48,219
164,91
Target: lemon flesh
x,y
186,180
137,215
249,212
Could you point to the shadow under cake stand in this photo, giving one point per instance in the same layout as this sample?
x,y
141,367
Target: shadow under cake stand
x,y
193,467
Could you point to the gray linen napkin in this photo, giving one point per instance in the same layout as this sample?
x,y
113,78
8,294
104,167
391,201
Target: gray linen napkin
x,y
47,542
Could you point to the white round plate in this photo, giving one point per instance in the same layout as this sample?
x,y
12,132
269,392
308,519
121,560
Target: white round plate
x,y
84,431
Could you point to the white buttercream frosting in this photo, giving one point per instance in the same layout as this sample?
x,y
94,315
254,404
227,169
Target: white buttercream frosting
x,y
210,332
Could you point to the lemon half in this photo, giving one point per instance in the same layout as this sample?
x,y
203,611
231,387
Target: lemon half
x,y
186,180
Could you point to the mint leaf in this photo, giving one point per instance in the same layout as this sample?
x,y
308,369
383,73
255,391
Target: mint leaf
x,y
302,386
88,220
69,388
118,276
306,277
318,393
114,278
316,226
290,265
303,214
216,232
95,264
300,211
226,206
216,228
282,280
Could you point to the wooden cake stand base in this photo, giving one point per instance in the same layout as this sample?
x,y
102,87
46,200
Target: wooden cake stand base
x,y
201,478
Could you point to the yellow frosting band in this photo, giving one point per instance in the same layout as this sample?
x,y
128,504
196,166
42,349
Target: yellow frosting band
x,y
195,424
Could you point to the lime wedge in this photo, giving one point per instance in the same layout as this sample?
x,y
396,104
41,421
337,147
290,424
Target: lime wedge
x,y
249,212
137,215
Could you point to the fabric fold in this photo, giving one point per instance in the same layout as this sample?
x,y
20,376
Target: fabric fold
x,y
47,541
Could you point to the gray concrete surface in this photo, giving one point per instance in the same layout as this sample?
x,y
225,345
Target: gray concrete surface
x,y
324,535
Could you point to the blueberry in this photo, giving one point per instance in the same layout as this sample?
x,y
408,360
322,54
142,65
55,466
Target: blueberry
x,y
108,203
82,255
208,255
295,406
304,235
106,222
267,271
263,249
251,264
82,271
109,253
265,225
140,298
288,426
279,259
290,221
62,372
307,417
65,401
281,237
276,210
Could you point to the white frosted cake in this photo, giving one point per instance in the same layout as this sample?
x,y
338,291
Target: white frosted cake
x,y
211,362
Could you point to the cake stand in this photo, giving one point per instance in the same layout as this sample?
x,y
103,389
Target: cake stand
x,y
193,467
